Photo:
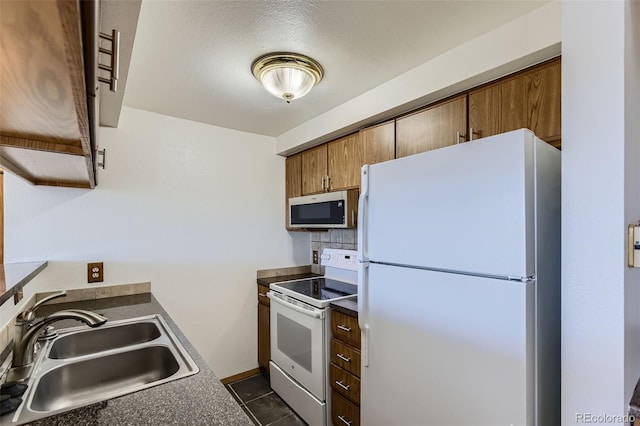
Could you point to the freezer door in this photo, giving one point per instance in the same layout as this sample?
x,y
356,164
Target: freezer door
x,y
468,207
447,350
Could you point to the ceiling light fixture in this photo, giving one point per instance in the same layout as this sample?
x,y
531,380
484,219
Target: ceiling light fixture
x,y
287,75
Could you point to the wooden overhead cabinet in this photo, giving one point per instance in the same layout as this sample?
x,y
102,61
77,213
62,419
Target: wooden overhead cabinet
x,y
543,93
293,181
49,85
314,170
436,126
529,99
44,121
345,160
378,143
497,108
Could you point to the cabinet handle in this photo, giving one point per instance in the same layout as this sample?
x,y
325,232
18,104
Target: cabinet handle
x,y
114,67
262,294
457,138
353,218
328,182
471,133
343,420
342,385
344,328
323,183
344,358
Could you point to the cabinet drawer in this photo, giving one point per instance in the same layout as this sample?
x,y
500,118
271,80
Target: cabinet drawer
x,y
345,328
343,411
345,383
345,356
262,295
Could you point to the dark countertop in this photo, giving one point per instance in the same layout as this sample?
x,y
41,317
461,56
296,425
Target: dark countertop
x,y
280,278
14,276
347,306
195,400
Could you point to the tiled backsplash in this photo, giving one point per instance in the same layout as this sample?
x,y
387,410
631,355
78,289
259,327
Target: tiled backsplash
x,y
333,238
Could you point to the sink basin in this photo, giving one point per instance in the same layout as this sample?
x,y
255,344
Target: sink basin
x,y
84,366
104,338
74,382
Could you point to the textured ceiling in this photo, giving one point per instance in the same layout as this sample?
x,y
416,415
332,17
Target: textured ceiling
x,y
192,59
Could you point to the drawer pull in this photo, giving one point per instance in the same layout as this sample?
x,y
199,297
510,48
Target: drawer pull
x,y
344,358
262,294
342,385
344,328
345,421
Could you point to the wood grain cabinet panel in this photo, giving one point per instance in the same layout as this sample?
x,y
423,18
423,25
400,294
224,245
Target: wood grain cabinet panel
x,y
378,143
345,384
543,94
345,328
433,127
44,124
293,182
345,161
497,108
345,356
343,411
314,169
264,332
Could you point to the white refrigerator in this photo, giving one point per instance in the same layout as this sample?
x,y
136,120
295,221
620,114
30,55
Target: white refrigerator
x,y
459,285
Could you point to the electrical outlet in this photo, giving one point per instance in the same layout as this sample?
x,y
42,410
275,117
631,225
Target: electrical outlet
x,y
95,272
315,257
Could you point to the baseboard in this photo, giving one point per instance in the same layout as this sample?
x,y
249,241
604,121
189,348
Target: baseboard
x,y
240,376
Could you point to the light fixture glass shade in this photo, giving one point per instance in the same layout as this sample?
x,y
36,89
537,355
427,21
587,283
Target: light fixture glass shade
x,y
287,76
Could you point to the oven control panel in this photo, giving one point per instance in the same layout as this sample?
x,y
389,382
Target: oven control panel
x,y
341,259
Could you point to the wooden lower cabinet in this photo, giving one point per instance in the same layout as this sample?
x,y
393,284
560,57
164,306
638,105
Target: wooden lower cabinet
x,y
343,411
344,370
264,329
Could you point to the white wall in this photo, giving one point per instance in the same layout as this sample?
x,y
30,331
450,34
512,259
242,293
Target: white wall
x,y
193,208
524,41
601,191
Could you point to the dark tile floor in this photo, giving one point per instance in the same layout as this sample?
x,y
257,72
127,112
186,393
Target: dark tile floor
x,y
262,405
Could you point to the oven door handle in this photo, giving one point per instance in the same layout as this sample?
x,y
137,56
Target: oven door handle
x,y
316,313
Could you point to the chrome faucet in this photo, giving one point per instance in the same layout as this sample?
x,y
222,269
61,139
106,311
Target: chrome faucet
x,y
27,329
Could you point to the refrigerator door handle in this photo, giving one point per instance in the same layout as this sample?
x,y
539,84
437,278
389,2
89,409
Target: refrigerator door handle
x,y
363,310
363,202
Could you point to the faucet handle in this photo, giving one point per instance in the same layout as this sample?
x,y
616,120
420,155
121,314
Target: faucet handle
x,y
29,314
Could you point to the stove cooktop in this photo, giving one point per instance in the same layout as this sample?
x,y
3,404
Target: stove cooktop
x,y
319,292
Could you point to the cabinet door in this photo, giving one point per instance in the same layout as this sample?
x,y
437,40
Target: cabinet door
x,y
432,128
264,338
378,143
543,93
314,169
497,108
345,161
293,181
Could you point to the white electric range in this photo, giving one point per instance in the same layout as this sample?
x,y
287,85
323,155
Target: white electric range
x,y
301,333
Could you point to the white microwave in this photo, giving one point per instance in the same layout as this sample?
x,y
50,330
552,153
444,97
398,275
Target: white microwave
x,y
327,210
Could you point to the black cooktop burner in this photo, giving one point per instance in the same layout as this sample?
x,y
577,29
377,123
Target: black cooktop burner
x,y
321,288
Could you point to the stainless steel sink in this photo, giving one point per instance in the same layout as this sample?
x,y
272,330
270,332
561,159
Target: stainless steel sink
x,y
105,338
84,366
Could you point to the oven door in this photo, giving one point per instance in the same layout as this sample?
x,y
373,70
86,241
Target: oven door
x,y
297,341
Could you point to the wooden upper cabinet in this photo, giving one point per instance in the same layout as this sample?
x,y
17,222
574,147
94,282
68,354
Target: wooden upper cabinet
x,y
292,182
293,176
497,108
543,94
345,161
378,143
314,170
433,127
